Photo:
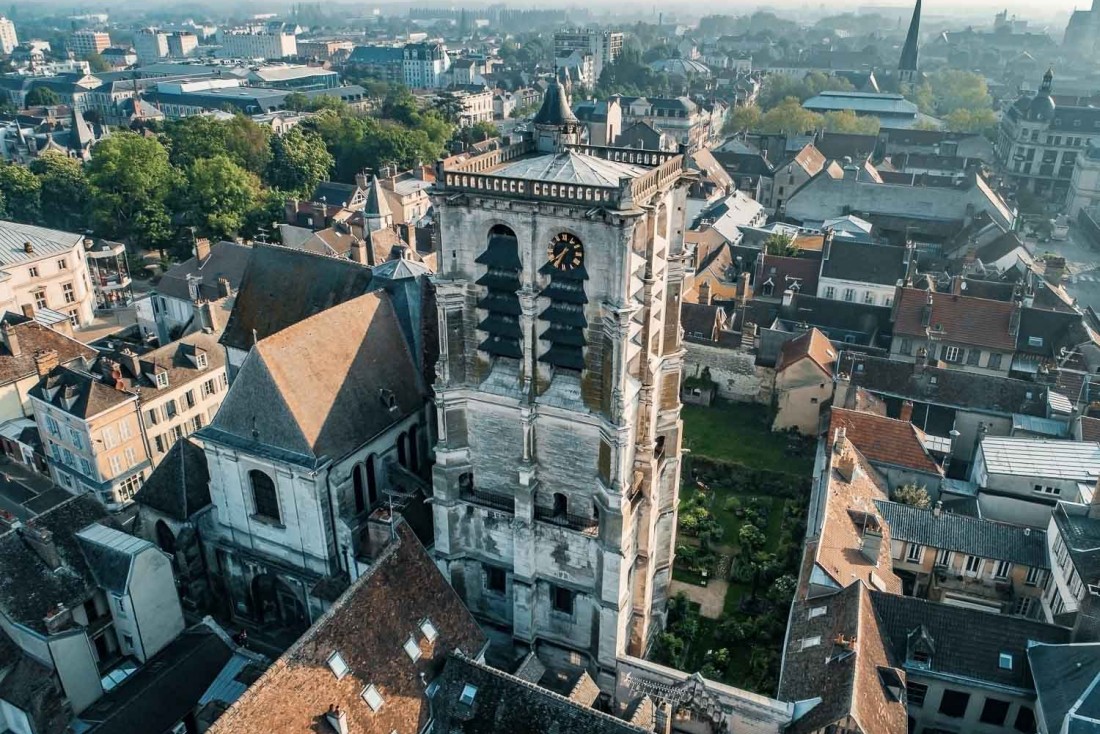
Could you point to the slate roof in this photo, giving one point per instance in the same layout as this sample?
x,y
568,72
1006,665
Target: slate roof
x,y
164,690
568,167
959,319
90,396
555,107
180,484
110,555
950,387
28,588
1066,678
700,320
226,260
318,388
968,642
1041,457
885,440
837,655
32,687
983,538
788,272
44,243
281,287
367,626
33,337
1081,534
506,703
881,264
178,359
333,193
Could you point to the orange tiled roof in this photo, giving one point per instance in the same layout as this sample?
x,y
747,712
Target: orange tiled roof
x,y
884,440
959,319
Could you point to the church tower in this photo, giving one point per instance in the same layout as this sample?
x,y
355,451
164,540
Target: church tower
x,y
907,66
557,464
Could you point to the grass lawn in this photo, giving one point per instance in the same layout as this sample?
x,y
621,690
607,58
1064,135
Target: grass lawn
x,y
740,432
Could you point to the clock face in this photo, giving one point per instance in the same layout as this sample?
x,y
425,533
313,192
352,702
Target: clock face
x,y
565,252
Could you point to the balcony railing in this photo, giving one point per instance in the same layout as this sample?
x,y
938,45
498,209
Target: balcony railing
x,y
586,525
490,499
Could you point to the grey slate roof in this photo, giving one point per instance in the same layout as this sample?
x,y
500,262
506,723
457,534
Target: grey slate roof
x,y
333,193
91,396
881,264
962,534
110,554
180,485
555,107
968,643
1066,684
164,690
504,703
281,287
28,588
226,260
44,242
568,167
1081,535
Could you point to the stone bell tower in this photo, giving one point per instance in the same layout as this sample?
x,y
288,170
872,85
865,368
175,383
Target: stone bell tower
x,y
558,464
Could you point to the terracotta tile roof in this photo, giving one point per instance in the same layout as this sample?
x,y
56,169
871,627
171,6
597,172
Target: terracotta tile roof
x,y
1090,429
812,345
368,627
960,319
836,652
810,159
31,337
850,510
884,440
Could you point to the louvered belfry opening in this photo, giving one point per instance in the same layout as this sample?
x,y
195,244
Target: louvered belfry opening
x,y
499,308
564,317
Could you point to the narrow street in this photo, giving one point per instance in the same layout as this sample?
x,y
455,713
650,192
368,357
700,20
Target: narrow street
x,y
1082,262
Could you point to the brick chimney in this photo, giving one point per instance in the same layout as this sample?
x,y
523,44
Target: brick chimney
x,y
44,361
704,293
743,291
906,411
58,619
28,310
202,249
359,251
380,528
10,338
225,290
41,542
362,180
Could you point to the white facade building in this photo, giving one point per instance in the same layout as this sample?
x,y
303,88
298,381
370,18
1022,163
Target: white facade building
x,y
248,43
425,65
8,39
1084,185
85,42
44,269
150,45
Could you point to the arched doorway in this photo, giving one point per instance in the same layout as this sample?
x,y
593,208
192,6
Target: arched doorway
x,y
275,603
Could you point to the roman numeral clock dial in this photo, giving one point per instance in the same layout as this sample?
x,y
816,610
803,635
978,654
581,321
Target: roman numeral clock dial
x,y
565,252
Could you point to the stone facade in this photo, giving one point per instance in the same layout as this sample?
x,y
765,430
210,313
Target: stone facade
x,y
556,483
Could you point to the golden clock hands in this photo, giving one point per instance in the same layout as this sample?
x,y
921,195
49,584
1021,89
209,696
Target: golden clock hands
x,y
560,258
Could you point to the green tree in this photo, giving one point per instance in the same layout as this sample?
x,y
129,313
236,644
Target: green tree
x,y
448,106
296,101
912,495
789,117
780,244
299,161
750,537
65,186
743,119
921,95
192,138
477,132
965,120
41,97
953,89
846,121
216,195
262,221
248,143
21,190
131,178
97,63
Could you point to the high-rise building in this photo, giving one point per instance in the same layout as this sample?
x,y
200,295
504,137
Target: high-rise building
x,y
85,42
558,456
8,39
182,44
603,46
150,45
256,43
425,65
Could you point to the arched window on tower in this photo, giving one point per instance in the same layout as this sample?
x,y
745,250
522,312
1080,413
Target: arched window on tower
x,y
265,499
499,308
564,315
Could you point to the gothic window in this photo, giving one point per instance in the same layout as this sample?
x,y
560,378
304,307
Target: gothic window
x,y
499,308
264,498
358,489
564,316
372,482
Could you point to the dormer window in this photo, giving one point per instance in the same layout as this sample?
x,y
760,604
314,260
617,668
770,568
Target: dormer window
x,y
162,380
372,697
431,634
337,665
412,649
201,361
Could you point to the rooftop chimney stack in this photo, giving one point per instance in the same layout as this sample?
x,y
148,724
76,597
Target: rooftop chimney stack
x,y
44,361
225,290
906,411
202,249
11,339
704,293
41,542
337,719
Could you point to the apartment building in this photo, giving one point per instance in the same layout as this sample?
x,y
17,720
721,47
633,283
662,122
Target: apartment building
x,y
85,42
603,46
425,65
967,561
1072,595
91,432
45,269
82,605
8,39
150,45
20,340
182,44
253,43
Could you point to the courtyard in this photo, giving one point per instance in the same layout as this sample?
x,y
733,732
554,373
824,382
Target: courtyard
x,y
742,520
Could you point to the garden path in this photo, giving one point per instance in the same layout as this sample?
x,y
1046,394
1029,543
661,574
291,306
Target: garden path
x,y
710,598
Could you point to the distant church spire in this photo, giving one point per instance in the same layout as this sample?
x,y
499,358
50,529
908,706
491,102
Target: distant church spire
x,y
907,66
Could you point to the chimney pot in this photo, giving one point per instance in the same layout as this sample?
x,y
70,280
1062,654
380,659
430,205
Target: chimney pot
x,y
937,509
11,339
28,247
202,249
44,361
906,411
